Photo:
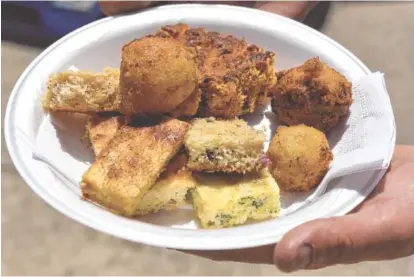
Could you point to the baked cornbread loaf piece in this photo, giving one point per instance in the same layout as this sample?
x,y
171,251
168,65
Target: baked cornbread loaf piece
x,y
83,91
101,129
226,200
131,163
170,190
226,146
234,76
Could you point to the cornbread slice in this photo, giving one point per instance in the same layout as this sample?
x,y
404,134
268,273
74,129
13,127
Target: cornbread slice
x,y
131,163
226,200
226,146
83,91
101,129
170,190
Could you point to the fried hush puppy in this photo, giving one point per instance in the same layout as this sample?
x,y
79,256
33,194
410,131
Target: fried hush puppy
x,y
300,157
313,94
156,75
234,76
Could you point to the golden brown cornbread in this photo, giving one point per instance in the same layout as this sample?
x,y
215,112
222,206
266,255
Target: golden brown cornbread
x,y
171,188
131,163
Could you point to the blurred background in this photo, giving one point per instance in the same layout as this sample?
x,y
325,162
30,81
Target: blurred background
x,y
37,240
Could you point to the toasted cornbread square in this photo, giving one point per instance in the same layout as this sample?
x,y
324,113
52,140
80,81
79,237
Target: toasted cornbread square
x,y
226,200
101,129
226,146
131,163
83,92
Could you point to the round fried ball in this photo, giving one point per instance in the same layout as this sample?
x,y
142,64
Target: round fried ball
x,y
300,157
157,74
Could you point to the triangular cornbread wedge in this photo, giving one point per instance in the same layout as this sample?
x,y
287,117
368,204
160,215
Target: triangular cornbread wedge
x,y
170,189
131,163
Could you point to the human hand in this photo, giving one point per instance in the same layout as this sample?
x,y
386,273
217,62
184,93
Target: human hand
x,y
296,10
381,228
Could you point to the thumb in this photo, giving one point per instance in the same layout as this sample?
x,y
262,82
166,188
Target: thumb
x,y
343,240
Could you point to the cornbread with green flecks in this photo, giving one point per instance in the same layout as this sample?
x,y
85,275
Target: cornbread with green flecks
x,y
227,200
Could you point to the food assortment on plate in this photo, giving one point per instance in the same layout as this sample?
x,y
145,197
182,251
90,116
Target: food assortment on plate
x,y
165,126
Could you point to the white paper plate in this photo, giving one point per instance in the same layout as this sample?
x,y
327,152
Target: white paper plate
x,y
98,45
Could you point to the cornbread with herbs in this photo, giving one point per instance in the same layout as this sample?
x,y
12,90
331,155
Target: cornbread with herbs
x,y
225,146
221,201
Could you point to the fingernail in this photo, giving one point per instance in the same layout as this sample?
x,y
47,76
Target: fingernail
x,y
305,254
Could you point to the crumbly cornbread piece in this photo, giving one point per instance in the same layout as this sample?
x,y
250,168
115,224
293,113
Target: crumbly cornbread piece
x,y
300,157
131,163
226,146
226,200
83,92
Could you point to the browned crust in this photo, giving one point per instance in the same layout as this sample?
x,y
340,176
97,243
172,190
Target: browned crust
x,y
234,76
313,94
131,163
